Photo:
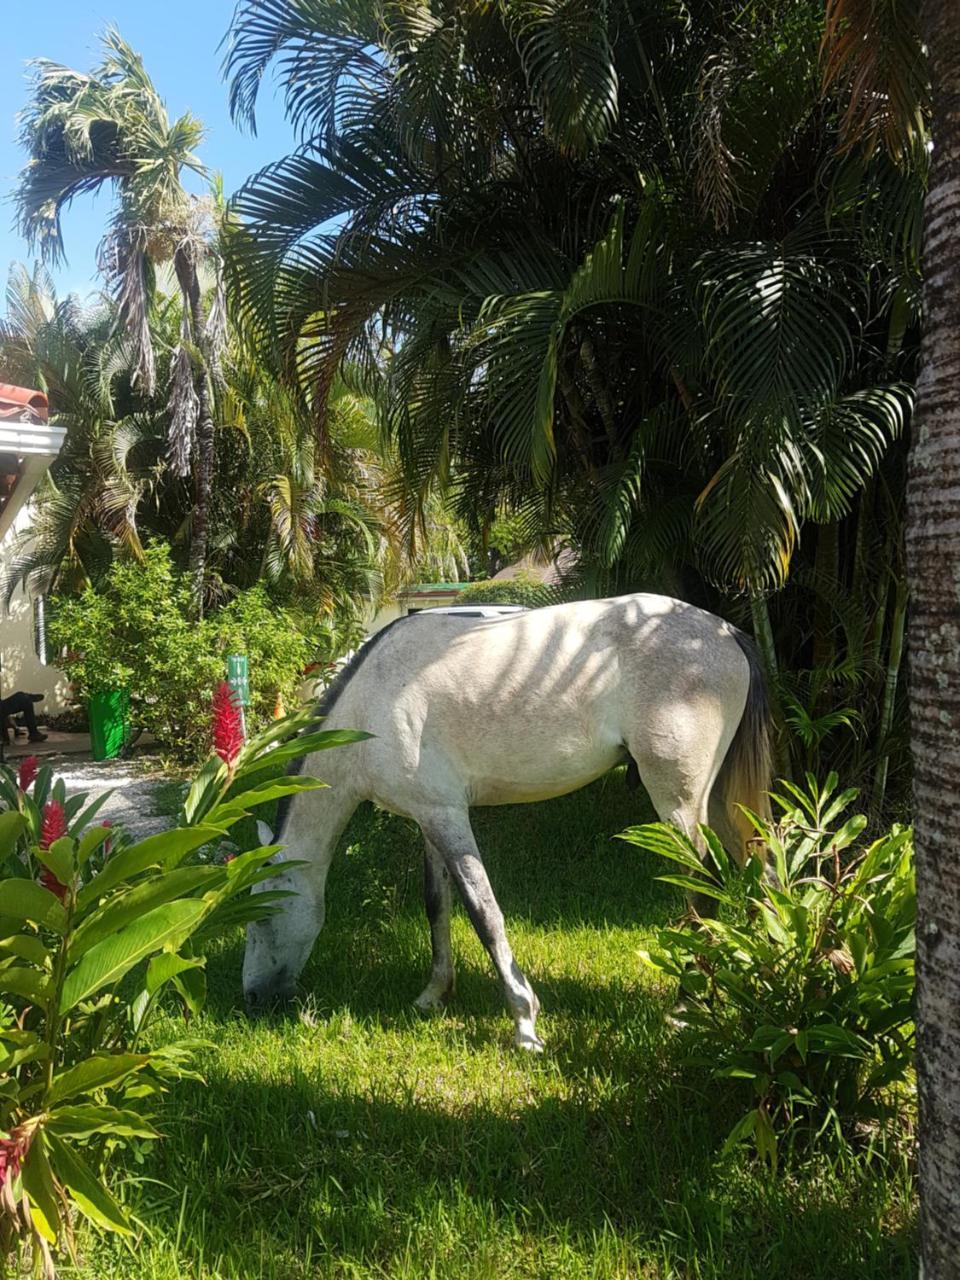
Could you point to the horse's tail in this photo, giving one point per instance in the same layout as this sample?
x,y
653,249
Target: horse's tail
x,y
746,773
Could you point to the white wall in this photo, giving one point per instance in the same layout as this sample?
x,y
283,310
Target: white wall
x,y
22,669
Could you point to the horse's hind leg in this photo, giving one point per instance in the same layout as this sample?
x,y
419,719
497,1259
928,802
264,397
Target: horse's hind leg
x,y
438,898
449,831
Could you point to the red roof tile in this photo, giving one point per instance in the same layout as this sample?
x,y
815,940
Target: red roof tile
x,y
22,403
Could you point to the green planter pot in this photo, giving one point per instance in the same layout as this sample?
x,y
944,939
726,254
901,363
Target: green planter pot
x,y
109,719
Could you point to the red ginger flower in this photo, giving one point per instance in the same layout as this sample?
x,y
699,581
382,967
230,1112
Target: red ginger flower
x,y
108,843
11,1154
54,826
227,724
27,771
54,823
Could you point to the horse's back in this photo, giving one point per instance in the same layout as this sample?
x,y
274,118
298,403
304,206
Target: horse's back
x,y
534,704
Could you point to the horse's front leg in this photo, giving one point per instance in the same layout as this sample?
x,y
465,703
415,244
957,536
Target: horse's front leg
x,y
449,831
438,899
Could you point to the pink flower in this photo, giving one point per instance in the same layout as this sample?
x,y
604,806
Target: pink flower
x,y
29,767
227,724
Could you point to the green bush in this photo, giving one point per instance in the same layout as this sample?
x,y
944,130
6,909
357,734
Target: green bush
x,y
802,990
135,632
95,928
524,589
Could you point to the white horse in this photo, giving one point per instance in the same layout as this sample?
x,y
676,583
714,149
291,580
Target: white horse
x,y
512,710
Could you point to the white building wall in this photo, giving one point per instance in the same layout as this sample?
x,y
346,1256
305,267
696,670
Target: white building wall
x,y
21,668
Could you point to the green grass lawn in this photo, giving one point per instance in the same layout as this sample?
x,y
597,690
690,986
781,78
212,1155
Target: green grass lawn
x,y
360,1140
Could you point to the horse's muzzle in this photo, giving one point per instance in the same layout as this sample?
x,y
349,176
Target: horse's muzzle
x,y
268,997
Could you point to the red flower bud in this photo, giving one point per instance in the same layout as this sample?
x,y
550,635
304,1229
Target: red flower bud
x,y
108,843
27,771
227,724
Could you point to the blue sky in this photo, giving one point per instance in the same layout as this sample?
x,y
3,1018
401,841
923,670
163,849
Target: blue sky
x,y
178,40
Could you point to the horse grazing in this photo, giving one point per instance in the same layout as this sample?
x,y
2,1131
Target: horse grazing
x,y
507,711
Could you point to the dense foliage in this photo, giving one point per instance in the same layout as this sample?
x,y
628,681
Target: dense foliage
x,y
135,631
628,276
803,986
523,589
95,929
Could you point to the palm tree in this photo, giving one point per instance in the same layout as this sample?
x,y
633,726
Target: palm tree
x,y
684,348
88,506
110,128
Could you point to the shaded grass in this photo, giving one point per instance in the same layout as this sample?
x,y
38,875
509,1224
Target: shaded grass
x,y
360,1140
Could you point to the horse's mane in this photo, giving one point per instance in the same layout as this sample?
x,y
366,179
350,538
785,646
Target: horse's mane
x,y
326,703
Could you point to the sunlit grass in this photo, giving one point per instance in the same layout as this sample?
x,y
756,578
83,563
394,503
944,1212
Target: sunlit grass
x,y
360,1140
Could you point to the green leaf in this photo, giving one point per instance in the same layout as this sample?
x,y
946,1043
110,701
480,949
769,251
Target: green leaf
x,y
99,1072
40,1187
86,1118
107,962
90,1195
26,983
166,966
240,805
60,859
130,903
28,947
166,849
192,986
26,900
12,827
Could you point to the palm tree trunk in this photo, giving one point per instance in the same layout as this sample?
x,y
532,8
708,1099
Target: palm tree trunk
x,y
933,558
186,269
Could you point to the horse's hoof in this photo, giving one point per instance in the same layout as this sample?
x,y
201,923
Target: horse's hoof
x,y
432,1001
529,1041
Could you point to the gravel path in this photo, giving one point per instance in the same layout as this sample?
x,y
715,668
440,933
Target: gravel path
x,y
133,802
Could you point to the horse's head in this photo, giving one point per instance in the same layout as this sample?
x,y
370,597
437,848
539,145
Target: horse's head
x,y
278,946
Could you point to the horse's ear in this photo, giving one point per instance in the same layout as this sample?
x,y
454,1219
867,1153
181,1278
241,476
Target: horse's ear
x,y
264,834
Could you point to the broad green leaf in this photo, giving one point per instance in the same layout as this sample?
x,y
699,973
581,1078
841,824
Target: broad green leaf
x,y
247,800
129,904
166,966
166,849
40,1187
98,1072
26,983
91,1196
12,827
26,900
205,789
60,858
27,946
91,840
192,986
87,1118
107,962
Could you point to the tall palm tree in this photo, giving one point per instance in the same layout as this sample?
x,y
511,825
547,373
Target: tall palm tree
x,y
933,550
110,128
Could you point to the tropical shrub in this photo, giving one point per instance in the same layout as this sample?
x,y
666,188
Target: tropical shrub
x,y
136,630
801,990
524,589
95,928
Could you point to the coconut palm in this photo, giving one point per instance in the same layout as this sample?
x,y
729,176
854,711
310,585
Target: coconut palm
x,y
110,128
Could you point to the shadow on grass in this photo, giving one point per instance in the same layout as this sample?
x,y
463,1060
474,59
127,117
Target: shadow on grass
x,y
306,1169
368,1158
